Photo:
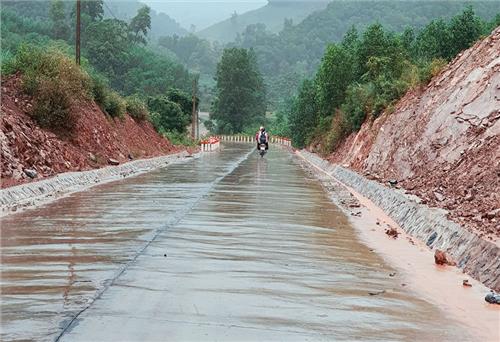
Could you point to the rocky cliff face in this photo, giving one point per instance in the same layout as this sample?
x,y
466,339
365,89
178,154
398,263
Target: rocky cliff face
x,y
97,139
442,143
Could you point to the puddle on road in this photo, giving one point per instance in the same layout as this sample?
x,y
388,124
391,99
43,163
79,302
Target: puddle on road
x,y
264,255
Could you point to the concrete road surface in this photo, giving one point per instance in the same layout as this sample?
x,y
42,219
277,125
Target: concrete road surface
x,y
227,247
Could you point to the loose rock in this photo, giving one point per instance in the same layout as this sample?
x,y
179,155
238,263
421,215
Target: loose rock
x,y
392,182
441,258
492,298
439,196
112,161
392,232
30,173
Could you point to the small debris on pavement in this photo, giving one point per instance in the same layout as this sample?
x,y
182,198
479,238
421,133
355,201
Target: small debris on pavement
x,y
392,274
376,293
392,232
441,258
466,283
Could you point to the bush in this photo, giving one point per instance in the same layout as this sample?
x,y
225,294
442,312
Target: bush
x,y
137,108
115,105
432,69
338,131
167,115
55,82
52,107
36,63
100,89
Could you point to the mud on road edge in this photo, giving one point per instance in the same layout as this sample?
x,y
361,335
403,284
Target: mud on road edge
x,y
30,195
477,257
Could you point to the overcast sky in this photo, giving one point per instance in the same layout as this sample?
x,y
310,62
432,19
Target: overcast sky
x,y
202,13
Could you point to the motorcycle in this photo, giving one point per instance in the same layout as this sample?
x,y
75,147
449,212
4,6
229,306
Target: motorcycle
x,y
262,149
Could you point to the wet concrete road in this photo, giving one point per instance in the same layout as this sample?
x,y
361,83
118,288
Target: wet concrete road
x,y
225,247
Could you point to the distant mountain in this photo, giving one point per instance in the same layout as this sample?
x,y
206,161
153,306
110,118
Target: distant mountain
x,y
272,15
199,14
161,23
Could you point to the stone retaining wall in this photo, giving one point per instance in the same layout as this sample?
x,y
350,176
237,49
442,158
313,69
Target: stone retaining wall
x,y
31,194
477,257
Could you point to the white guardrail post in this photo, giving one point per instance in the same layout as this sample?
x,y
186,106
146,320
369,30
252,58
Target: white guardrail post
x,y
213,143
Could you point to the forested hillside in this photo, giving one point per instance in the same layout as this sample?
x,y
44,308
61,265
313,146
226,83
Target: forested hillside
x,y
275,15
286,58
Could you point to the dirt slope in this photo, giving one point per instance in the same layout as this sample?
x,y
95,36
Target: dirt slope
x,y
24,145
442,143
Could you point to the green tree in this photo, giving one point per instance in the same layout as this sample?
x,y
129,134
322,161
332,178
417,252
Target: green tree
x,y
140,24
434,41
408,39
183,99
304,117
167,115
240,92
60,27
373,44
334,76
107,45
464,30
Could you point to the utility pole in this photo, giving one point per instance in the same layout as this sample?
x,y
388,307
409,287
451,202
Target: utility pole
x,y
197,123
194,117
77,52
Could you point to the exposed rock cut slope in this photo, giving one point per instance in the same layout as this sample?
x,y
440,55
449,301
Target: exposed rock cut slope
x,y
442,143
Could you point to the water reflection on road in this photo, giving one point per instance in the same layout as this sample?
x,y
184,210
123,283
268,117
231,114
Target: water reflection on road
x,y
212,249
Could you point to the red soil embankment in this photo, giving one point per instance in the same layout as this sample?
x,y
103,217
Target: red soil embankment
x,y
96,139
442,143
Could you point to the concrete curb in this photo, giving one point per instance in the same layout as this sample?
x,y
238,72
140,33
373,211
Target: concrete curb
x,y
29,195
477,257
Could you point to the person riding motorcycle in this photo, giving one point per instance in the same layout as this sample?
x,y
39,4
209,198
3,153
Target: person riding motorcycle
x,y
262,137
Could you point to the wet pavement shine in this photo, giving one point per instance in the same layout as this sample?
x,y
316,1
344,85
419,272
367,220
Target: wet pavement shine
x,y
228,246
